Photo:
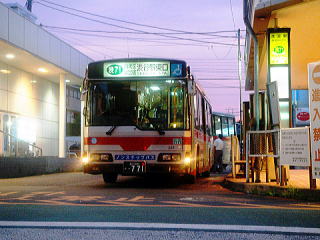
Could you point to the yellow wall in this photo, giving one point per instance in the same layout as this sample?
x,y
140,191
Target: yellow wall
x,y
304,21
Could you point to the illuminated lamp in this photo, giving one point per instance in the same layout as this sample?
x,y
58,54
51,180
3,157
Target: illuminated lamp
x,y
5,71
10,56
42,70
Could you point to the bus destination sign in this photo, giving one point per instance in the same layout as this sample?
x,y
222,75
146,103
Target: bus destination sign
x,y
136,69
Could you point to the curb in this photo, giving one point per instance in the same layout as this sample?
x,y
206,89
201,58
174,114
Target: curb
x,y
275,191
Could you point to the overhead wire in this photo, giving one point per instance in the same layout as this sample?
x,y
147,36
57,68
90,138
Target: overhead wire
x,y
132,39
231,9
162,34
125,21
213,34
132,29
107,48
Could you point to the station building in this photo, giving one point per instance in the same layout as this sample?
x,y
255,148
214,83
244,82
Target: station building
x,y
40,77
300,20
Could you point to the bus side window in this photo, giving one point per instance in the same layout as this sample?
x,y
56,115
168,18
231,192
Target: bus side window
x,y
203,108
231,126
198,118
177,107
217,125
225,128
208,120
200,112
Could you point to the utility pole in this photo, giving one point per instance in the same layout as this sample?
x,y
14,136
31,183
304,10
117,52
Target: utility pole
x,y
28,5
240,86
239,73
249,4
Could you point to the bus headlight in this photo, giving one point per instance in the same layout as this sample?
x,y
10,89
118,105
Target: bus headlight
x,y
165,157
85,160
95,157
106,157
187,160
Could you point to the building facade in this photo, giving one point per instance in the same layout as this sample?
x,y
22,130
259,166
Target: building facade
x,y
301,18
37,70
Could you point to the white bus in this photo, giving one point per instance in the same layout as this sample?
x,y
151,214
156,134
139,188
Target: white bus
x,y
224,123
143,117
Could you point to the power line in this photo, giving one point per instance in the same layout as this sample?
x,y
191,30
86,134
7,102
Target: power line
x,y
163,35
231,9
111,49
213,34
85,32
124,21
226,87
217,79
132,39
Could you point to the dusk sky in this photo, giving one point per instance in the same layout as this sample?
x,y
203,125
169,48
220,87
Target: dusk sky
x,y
212,59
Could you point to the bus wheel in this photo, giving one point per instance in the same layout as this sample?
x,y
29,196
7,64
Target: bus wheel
x,y
206,174
191,179
110,177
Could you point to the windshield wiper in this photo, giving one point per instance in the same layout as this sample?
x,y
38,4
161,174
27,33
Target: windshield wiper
x,y
160,131
109,132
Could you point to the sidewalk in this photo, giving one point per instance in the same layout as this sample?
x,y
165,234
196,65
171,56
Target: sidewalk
x,y
297,187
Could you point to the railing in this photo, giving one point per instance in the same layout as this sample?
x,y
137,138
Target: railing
x,y
15,147
262,144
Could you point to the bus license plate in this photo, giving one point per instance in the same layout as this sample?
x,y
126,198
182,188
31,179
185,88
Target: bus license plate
x,y
133,168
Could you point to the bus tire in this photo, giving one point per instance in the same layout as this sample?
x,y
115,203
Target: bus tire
x,y
206,174
190,179
197,163
110,177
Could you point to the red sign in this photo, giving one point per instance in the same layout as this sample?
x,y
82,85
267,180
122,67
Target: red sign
x,y
303,116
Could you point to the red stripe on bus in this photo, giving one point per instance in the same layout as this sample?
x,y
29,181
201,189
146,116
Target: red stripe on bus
x,y
135,143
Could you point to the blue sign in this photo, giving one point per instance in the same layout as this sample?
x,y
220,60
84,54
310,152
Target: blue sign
x,y
176,70
134,157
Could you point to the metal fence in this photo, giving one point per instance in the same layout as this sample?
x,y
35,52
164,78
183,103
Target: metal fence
x,y
262,144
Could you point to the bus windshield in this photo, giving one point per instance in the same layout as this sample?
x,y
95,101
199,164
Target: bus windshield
x,y
146,104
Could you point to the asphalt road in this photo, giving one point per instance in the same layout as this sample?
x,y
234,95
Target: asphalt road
x,y
152,208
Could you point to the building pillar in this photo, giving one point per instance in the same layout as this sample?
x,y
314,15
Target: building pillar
x,y
62,116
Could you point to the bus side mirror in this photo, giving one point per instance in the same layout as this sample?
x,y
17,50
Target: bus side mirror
x,y
84,112
191,87
83,95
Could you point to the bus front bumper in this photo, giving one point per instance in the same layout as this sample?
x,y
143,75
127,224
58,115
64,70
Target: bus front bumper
x,y
151,168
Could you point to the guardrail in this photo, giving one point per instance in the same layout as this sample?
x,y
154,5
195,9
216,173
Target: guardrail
x,y
15,147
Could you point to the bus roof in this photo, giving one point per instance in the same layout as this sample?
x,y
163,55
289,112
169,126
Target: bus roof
x,y
139,59
223,114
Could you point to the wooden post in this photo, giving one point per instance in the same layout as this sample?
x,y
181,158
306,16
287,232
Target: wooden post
x,y
267,169
276,168
247,157
252,168
282,175
233,158
312,182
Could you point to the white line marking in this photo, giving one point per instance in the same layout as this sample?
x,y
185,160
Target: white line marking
x,y
210,227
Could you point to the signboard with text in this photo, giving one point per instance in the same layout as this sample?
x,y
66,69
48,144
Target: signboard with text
x,y
137,69
294,147
279,69
279,48
302,117
314,102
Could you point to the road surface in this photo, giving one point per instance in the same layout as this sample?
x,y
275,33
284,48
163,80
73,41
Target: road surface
x,y
75,206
